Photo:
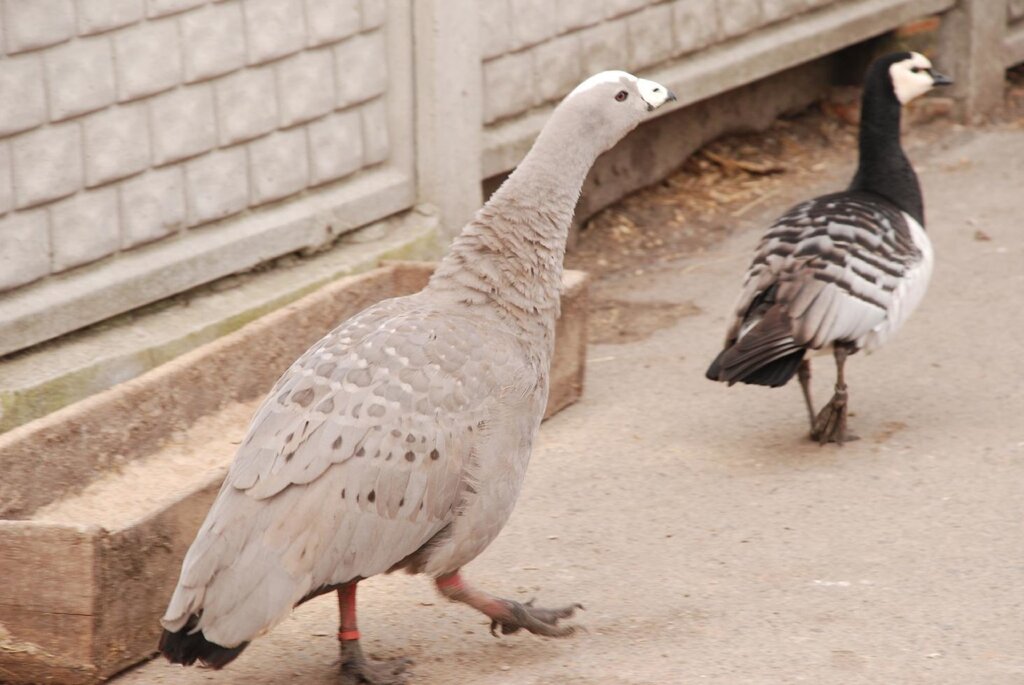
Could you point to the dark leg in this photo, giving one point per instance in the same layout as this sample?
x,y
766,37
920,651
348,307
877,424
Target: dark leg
x,y
356,668
510,616
830,425
804,374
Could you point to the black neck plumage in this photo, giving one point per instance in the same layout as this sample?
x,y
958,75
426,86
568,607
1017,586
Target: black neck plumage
x,y
884,168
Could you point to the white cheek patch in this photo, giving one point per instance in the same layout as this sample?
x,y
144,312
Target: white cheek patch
x,y
907,83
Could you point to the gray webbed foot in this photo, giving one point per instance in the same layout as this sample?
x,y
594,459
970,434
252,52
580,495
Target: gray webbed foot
x,y
537,620
830,424
358,669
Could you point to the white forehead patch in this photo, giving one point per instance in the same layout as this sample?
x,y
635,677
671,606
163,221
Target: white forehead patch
x,y
920,61
654,94
603,77
908,83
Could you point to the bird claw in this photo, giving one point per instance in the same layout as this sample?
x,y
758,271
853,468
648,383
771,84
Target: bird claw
x,y
830,424
537,620
358,669
373,672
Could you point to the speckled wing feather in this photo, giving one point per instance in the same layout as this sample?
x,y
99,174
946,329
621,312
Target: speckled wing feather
x,y
354,461
845,267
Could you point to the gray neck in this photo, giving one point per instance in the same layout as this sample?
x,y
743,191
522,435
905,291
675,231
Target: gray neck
x,y
507,262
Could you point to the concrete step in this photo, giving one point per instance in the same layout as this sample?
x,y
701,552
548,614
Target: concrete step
x,y
52,375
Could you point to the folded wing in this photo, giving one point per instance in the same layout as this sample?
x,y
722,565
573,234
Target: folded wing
x,y
838,268
353,462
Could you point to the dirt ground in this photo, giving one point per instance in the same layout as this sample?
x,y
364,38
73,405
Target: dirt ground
x,y
710,541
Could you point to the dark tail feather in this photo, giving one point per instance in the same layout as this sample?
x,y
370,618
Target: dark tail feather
x,y
776,373
182,648
714,372
766,355
773,373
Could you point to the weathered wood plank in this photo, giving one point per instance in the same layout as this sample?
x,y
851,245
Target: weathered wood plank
x,y
45,647
46,567
138,569
46,602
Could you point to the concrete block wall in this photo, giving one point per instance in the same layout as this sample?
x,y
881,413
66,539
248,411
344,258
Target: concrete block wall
x,y
125,122
1014,35
1014,32
532,55
151,146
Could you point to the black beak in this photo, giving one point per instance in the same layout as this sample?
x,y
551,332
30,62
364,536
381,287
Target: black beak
x,y
671,96
939,79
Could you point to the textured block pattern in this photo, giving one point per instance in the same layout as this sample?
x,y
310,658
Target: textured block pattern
x,y
332,20
650,35
24,248
116,143
279,165
774,10
246,105
1015,10
96,16
534,52
335,147
306,86
125,122
273,28
376,142
80,77
32,24
183,124
6,185
47,164
217,185
214,41
361,68
84,228
158,8
24,76
148,59
742,16
152,206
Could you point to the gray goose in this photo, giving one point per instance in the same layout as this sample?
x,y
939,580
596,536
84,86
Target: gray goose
x,y
841,272
400,440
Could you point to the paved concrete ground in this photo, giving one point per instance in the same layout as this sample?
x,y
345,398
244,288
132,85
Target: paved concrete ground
x,y
712,543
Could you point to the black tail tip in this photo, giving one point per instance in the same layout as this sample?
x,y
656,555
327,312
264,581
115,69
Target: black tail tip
x,y
774,374
714,372
183,648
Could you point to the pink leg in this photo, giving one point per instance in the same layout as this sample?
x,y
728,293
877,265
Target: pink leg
x,y
356,668
348,630
509,615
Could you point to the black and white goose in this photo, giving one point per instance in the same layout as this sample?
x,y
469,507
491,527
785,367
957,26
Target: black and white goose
x,y
841,271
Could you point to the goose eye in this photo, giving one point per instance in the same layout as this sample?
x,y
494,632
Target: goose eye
x,y
621,96
916,70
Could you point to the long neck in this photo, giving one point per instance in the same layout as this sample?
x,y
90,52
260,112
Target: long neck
x,y
507,261
884,168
